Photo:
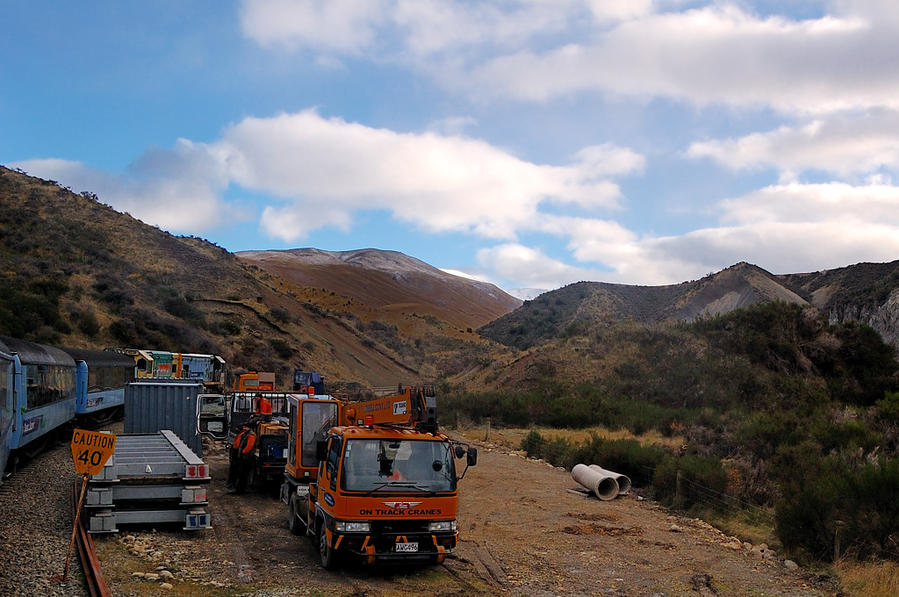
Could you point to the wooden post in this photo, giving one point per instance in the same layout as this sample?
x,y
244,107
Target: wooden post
x,y
678,490
65,571
487,432
838,526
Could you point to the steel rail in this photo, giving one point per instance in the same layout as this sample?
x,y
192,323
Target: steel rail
x,y
93,574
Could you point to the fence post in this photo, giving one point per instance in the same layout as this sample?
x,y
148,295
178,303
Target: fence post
x,y
838,526
678,490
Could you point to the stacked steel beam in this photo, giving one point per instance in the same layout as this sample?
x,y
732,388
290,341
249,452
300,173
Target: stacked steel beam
x,y
150,479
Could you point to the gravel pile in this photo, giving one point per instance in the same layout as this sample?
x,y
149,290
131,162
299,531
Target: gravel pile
x,y
36,527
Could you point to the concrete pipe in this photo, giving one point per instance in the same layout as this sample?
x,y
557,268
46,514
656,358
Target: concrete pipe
x,y
624,482
605,487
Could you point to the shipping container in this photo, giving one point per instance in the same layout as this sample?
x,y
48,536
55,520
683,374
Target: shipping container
x,y
152,405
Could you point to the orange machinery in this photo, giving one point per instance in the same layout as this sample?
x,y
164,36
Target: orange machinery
x,y
384,484
255,381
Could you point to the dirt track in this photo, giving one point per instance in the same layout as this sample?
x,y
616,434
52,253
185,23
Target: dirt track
x,y
522,532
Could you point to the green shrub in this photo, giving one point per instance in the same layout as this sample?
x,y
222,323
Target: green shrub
x,y
888,408
848,435
282,348
703,482
533,444
626,456
87,323
858,503
180,307
281,315
558,451
763,432
224,328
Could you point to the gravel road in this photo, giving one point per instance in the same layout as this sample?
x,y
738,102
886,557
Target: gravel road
x,y
36,527
522,532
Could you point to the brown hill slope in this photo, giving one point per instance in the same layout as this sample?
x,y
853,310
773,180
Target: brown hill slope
x,y
865,292
390,282
578,307
76,272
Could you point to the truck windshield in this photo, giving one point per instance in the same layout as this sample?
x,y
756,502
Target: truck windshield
x,y
388,465
212,405
318,418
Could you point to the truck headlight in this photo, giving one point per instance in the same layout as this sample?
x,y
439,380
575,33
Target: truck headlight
x,y
342,526
442,526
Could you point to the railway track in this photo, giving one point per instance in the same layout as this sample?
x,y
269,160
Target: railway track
x,y
93,574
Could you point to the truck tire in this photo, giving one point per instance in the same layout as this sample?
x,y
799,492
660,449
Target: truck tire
x,y
327,555
252,476
293,522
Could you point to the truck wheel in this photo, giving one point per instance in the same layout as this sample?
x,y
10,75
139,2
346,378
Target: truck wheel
x,y
293,523
325,551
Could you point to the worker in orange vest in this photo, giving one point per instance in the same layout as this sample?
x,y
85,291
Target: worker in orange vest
x,y
241,459
263,405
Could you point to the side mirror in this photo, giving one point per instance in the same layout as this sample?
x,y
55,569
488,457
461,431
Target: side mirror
x,y
321,450
472,456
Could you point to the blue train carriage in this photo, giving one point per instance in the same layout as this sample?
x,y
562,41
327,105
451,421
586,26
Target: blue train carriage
x,y
43,394
7,374
100,381
208,368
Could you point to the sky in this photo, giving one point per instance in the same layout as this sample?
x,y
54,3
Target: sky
x,y
528,143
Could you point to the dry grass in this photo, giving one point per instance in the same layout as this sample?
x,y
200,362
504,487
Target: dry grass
x,y
511,437
755,526
868,579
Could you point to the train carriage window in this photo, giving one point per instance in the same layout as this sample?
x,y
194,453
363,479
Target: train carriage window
x,y
46,384
107,378
144,367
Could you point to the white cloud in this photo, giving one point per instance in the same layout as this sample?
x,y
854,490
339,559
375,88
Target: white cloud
x,y
183,200
783,228
453,126
615,10
815,203
323,170
780,247
608,160
537,50
346,26
333,168
717,54
844,144
530,267
404,29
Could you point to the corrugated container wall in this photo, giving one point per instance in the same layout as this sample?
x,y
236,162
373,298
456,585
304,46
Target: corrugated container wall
x,y
152,405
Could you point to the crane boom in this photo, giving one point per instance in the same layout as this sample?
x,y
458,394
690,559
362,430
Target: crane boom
x,y
414,407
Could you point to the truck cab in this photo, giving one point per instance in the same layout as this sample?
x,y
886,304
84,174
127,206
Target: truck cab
x,y
212,416
382,491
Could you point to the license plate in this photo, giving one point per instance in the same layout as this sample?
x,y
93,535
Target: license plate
x,y
407,547
214,426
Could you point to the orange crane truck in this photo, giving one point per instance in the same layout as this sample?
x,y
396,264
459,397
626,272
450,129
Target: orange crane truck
x,y
384,484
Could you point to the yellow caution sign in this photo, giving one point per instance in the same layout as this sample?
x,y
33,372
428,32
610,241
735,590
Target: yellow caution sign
x,y
91,450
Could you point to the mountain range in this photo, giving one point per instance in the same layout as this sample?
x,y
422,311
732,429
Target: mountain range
x,y
389,282
76,272
865,293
